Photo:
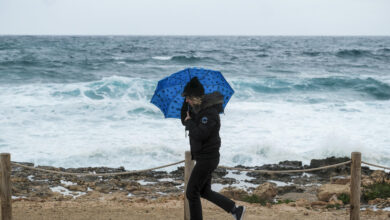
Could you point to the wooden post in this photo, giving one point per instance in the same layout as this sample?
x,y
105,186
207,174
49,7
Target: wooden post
x,y
188,166
5,188
356,158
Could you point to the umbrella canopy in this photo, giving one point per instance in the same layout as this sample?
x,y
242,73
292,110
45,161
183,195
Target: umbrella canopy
x,y
167,96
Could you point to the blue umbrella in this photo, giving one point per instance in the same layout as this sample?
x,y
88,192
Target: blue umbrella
x,y
167,96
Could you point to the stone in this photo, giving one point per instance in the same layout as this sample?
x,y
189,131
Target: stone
x,y
378,176
291,164
302,202
132,188
380,203
219,172
326,191
102,189
234,193
375,201
290,189
266,191
91,184
318,203
77,188
334,201
19,179
327,161
343,180
366,180
225,181
341,170
41,191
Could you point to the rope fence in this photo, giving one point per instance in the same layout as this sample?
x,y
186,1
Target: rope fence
x,y
172,164
287,171
5,172
377,166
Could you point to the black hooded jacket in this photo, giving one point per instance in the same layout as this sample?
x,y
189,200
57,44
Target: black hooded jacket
x,y
204,126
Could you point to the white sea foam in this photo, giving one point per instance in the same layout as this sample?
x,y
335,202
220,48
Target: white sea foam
x,y
144,183
162,57
112,123
67,183
166,180
64,191
240,183
280,183
18,197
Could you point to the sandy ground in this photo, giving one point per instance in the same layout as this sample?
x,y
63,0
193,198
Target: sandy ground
x,y
167,209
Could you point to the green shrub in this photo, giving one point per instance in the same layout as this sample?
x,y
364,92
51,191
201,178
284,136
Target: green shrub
x,y
344,197
337,206
287,201
254,199
377,190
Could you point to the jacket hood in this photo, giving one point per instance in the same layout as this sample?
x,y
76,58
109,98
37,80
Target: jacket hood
x,y
193,88
214,100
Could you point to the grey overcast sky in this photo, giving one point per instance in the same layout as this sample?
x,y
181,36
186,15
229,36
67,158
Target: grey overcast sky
x,y
195,17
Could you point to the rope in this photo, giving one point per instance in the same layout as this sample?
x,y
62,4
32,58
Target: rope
x,y
94,174
287,171
154,168
374,165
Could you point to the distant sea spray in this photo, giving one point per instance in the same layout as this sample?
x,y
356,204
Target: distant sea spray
x,y
85,101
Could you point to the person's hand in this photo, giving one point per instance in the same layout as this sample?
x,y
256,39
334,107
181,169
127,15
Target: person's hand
x,y
188,117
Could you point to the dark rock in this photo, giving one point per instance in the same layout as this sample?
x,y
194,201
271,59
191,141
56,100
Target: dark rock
x,y
219,172
289,189
257,181
366,170
42,192
166,184
314,163
77,188
324,173
224,181
178,174
291,164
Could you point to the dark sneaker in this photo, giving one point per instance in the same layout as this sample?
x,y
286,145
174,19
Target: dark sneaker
x,y
239,213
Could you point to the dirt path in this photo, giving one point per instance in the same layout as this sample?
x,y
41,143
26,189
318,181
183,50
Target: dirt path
x,y
167,210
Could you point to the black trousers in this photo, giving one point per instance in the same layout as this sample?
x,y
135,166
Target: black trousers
x,y
199,185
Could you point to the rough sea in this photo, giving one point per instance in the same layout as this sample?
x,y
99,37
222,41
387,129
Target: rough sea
x,y
79,101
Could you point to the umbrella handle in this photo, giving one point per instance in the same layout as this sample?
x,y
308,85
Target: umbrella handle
x,y
185,130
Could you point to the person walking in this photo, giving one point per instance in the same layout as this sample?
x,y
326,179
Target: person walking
x,y
200,116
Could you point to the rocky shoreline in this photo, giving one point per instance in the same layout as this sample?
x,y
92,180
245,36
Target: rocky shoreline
x,y
317,189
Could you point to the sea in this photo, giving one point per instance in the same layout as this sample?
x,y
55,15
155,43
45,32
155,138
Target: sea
x,y
81,101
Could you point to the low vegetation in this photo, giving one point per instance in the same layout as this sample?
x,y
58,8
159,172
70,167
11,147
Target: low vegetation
x,y
330,206
377,190
254,199
344,198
